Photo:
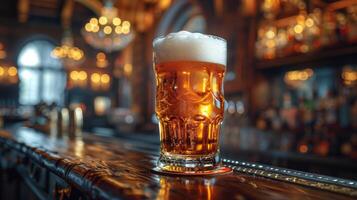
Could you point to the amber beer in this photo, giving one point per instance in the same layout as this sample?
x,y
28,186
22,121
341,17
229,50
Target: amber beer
x,y
189,70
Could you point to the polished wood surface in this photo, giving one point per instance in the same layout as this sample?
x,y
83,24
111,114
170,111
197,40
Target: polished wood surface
x,y
106,168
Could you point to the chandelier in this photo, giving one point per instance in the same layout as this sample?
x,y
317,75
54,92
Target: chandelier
x,y
69,54
108,32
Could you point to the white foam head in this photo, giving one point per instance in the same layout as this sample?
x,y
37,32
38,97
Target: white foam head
x,y
187,46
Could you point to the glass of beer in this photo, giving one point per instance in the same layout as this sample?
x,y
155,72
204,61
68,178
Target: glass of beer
x,y
189,70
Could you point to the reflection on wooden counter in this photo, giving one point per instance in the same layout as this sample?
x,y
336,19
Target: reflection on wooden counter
x,y
98,168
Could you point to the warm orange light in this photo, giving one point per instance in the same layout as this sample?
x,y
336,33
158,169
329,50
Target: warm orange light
x,y
300,19
65,51
163,4
101,60
88,27
116,21
125,30
101,56
299,75
108,25
95,28
270,34
95,78
126,24
78,147
118,30
2,71
74,75
270,44
128,68
12,71
309,22
82,75
303,148
93,21
105,78
298,28
103,20
107,30
303,76
349,75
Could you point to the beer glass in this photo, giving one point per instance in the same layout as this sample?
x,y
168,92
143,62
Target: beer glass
x,y
189,70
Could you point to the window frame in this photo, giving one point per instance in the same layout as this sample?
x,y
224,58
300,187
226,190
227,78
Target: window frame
x,y
42,69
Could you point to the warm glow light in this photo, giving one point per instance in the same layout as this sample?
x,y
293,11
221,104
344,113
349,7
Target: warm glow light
x,y
101,60
93,21
309,22
303,148
270,34
105,78
118,29
95,28
74,75
12,71
88,27
95,78
78,147
301,75
298,28
67,52
270,44
82,75
349,76
300,19
101,56
126,24
103,20
107,30
116,21
164,4
2,71
128,68
125,30
101,105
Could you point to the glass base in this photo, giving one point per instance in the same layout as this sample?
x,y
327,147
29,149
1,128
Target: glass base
x,y
190,165
219,170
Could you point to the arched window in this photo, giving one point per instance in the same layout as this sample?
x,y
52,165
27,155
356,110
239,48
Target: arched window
x,y
42,77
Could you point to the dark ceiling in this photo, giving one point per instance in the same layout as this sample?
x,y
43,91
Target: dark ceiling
x,y
44,11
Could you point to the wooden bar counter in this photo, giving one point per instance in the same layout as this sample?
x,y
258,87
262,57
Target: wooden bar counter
x,y
94,167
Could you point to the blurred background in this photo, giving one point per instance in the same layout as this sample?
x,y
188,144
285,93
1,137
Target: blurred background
x,y
290,84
